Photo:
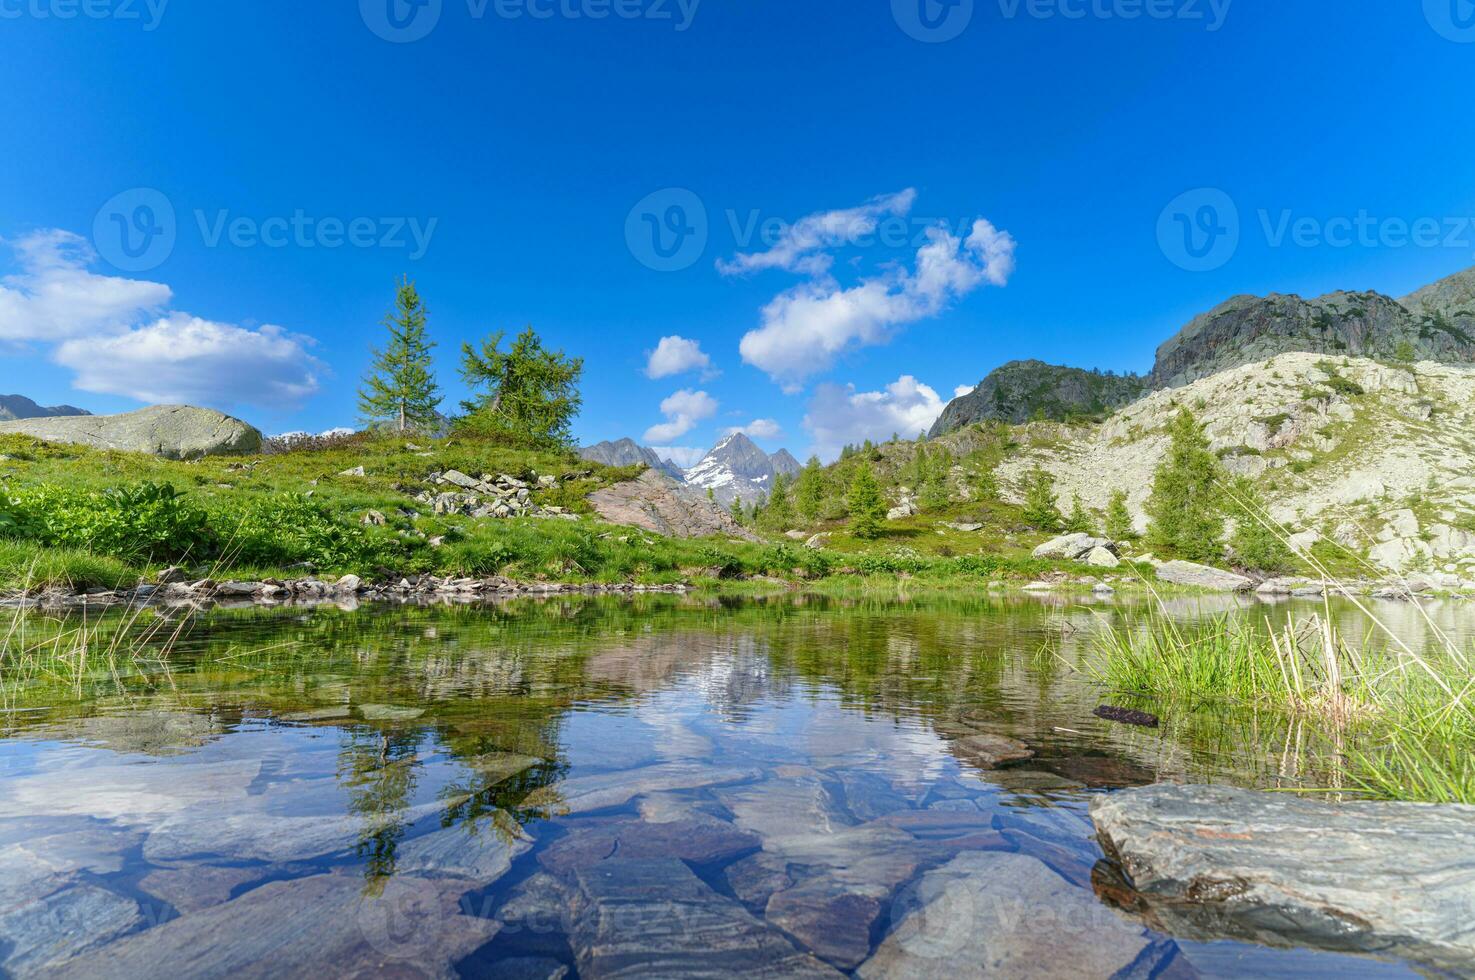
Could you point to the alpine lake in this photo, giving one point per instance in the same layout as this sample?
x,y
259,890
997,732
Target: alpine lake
x,y
657,786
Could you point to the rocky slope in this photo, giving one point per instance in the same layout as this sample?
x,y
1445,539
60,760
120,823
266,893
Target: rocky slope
x,y
627,452
737,469
1024,390
655,502
170,431
13,407
1373,455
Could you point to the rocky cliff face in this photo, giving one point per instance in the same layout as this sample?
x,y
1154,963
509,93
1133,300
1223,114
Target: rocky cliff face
x,y
1249,329
1024,390
13,407
627,452
171,431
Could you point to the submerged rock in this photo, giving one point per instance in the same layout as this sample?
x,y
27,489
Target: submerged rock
x,y
645,918
697,839
63,925
1000,914
1211,862
326,925
584,793
987,751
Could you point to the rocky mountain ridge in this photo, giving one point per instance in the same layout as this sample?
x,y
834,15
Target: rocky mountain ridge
x,y
735,468
627,452
1022,390
1435,323
16,407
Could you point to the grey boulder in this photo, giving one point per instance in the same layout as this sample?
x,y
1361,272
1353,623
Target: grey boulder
x,y
170,431
1203,577
1212,862
1073,546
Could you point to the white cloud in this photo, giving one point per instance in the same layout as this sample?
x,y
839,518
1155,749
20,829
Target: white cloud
x,y
54,296
684,457
758,429
120,338
677,355
805,328
962,390
184,359
839,415
801,246
683,410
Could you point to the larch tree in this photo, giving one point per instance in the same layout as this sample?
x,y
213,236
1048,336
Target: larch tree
x,y
400,387
1184,509
867,506
528,395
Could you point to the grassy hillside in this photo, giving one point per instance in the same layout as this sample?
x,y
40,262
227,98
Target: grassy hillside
x,y
82,518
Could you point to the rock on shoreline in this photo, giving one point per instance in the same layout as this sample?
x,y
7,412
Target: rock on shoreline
x,y
1213,862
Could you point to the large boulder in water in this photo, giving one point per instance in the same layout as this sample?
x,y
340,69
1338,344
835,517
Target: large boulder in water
x,y
1215,862
170,431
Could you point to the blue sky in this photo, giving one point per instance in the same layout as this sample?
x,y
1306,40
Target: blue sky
x,y
535,157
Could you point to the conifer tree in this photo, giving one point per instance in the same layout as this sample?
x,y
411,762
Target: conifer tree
x,y
1255,542
921,468
811,490
867,506
1118,518
1040,508
531,393
1079,522
1184,507
778,512
737,511
400,387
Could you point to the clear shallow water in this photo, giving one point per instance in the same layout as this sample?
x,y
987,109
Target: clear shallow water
x,y
599,788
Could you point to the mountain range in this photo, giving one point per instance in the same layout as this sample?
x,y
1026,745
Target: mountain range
x,y
734,469
15,407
